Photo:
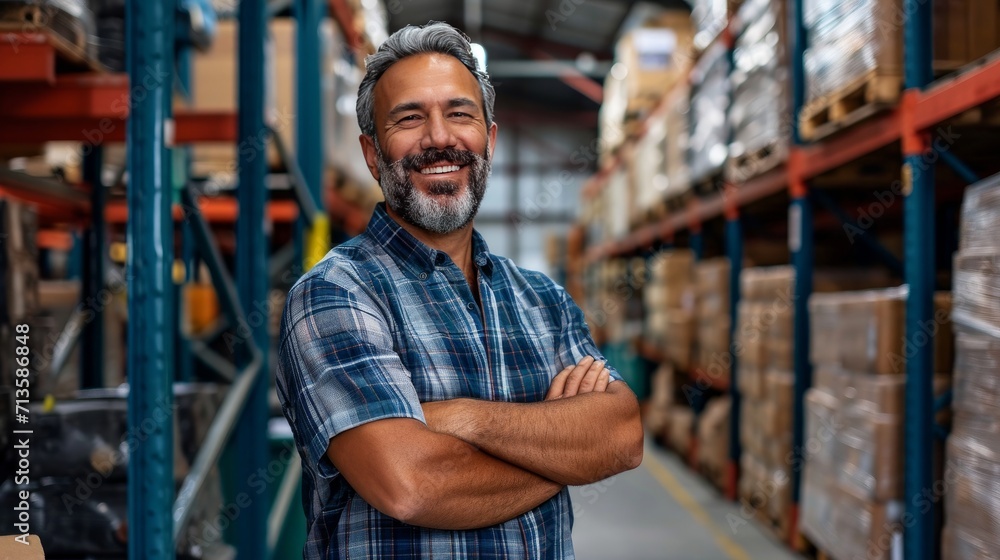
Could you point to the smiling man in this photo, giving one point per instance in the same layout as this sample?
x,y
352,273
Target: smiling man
x,y
442,398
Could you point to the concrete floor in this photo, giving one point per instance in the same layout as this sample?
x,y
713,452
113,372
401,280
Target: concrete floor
x,y
663,511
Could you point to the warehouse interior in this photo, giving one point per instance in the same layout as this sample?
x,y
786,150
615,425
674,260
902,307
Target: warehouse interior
x,y
781,219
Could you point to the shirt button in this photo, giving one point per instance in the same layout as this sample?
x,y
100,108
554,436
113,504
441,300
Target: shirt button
x,y
422,276
470,306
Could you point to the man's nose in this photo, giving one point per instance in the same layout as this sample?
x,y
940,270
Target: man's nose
x,y
437,133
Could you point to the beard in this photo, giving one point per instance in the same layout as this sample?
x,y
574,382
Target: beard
x,y
448,207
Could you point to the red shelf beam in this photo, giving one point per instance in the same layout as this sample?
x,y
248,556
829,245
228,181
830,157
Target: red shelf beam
x,y
27,57
215,210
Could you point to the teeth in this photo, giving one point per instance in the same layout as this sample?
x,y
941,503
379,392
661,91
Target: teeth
x,y
441,169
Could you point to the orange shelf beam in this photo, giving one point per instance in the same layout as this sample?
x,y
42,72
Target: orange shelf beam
x,y
215,210
54,239
954,96
27,57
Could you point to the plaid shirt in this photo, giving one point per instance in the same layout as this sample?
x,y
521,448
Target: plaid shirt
x,y
384,323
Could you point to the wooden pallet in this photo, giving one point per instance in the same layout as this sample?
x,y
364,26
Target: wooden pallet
x,y
777,528
709,185
756,162
72,49
870,94
807,548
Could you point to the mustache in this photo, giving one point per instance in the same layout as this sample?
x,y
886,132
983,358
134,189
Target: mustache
x,y
432,156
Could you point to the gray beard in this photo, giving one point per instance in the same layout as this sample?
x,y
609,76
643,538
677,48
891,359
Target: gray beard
x,y
450,209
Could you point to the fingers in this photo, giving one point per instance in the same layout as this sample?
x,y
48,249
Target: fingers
x,y
587,367
603,380
558,384
589,382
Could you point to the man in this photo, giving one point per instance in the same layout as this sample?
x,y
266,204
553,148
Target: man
x,y
441,398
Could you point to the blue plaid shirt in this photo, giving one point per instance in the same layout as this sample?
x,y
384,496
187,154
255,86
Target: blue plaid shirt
x,y
384,323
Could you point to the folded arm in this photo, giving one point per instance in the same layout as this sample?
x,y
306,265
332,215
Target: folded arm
x,y
572,441
434,480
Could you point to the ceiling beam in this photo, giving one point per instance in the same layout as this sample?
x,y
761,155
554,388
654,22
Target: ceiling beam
x,y
527,44
506,69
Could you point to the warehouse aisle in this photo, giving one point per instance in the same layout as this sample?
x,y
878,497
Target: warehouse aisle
x,y
663,511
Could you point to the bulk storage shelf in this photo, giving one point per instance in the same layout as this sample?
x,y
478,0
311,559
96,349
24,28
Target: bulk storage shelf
x,y
39,104
922,106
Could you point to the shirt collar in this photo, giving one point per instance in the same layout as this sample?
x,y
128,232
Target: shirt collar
x,y
413,253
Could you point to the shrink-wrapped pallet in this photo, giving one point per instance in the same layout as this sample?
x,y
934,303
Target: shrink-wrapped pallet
x,y
708,144
759,112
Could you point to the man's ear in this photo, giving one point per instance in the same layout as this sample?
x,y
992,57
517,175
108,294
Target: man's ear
x,y
492,135
371,158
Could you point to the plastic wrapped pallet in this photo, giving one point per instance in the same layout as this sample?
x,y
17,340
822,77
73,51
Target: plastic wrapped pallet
x,y
818,505
655,56
710,17
980,230
708,144
680,428
759,112
71,20
977,291
661,399
864,529
713,439
972,500
678,108
977,375
872,337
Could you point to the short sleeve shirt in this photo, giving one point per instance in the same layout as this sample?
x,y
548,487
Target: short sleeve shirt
x,y
384,323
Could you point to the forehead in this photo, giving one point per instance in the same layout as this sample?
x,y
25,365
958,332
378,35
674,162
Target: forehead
x,y
427,78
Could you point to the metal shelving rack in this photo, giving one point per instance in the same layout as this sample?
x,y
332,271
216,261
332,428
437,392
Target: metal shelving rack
x,y
95,108
924,105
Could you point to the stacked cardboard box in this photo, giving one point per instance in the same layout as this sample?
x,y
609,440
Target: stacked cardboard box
x,y
853,478
670,305
661,401
713,439
765,383
655,56
711,281
972,502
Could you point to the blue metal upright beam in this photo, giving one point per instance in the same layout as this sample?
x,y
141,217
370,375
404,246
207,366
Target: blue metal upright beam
x,y
150,257
734,249
94,270
800,241
919,538
308,99
252,275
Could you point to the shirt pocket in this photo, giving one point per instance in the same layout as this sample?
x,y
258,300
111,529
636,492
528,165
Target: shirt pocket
x,y
530,352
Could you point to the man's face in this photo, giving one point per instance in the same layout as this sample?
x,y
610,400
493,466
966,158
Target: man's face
x,y
434,149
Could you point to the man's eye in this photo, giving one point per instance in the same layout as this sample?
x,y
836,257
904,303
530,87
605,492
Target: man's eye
x,y
461,115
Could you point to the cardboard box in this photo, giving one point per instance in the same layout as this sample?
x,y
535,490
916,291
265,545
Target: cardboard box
x,y
12,547
713,438
656,56
864,528
822,423
681,425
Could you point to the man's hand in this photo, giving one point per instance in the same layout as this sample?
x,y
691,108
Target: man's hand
x,y
588,376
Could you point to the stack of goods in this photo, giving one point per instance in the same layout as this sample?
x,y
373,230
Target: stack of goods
x,y
853,478
759,114
648,172
680,428
708,144
18,281
972,503
669,303
661,400
856,51
614,202
765,381
713,440
575,244
655,56
710,17
110,16
711,281
676,143
71,20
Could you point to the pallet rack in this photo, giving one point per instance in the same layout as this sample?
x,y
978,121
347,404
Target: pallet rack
x,y
924,105
137,108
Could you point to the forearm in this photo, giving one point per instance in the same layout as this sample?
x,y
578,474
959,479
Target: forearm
x,y
572,441
459,487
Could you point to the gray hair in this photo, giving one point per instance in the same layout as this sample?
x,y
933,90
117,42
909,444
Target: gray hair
x,y
435,37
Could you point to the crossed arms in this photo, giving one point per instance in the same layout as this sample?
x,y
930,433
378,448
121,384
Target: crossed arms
x,y
479,463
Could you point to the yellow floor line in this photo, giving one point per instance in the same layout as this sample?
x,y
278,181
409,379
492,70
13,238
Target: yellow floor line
x,y
670,483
